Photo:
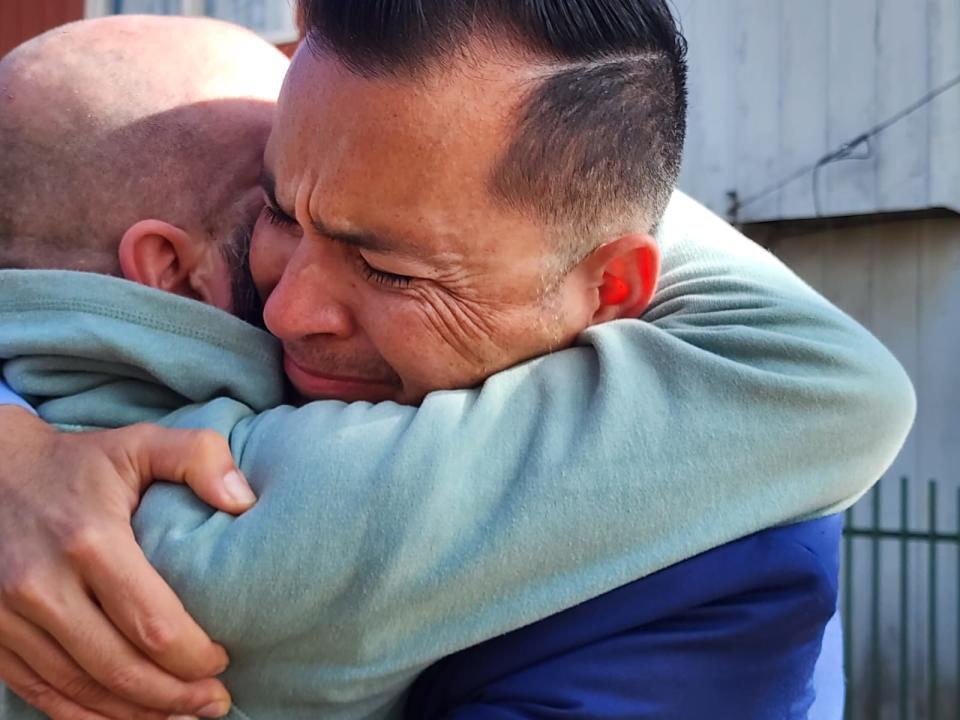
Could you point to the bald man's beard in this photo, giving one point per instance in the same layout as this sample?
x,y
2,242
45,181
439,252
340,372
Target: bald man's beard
x,y
246,300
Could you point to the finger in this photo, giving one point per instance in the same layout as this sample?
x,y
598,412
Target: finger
x,y
53,666
25,683
144,608
97,646
200,459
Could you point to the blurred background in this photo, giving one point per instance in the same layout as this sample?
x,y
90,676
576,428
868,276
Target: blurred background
x,y
829,131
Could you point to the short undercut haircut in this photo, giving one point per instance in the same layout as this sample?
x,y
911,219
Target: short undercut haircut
x,y
598,141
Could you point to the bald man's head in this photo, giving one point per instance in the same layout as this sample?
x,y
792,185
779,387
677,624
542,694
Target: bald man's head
x,y
105,123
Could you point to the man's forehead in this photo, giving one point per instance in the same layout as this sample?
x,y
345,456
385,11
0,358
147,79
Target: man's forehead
x,y
364,226
391,161
470,100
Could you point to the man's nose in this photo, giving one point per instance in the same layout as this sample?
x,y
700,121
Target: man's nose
x,y
308,299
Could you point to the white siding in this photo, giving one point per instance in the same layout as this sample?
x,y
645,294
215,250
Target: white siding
x,y
804,56
776,84
850,187
903,151
757,69
713,146
945,122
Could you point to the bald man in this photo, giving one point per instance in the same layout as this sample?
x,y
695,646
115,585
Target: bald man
x,y
149,133
160,159
363,561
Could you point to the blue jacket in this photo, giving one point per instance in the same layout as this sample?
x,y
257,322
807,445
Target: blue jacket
x,y
732,633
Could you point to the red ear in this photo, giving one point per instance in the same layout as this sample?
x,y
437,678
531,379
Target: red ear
x,y
648,259
626,271
614,290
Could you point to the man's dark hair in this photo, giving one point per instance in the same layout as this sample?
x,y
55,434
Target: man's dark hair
x,y
599,140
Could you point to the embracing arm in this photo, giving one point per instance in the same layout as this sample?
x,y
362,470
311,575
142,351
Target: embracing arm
x,y
387,536
390,536
88,629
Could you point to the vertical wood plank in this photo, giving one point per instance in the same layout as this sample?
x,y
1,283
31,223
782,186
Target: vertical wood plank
x,y
938,395
709,160
938,385
757,109
945,111
903,151
849,187
803,122
897,288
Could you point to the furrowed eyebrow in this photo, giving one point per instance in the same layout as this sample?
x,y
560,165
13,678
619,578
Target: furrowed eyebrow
x,y
362,240
367,241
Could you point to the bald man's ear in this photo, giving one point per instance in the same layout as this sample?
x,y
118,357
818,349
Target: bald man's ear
x,y
624,275
162,256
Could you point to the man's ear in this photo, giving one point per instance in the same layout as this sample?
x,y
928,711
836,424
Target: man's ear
x,y
162,256
624,275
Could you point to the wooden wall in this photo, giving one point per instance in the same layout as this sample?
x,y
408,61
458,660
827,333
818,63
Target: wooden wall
x,y
21,20
902,281
775,84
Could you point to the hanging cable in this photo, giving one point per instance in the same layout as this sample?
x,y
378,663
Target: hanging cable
x,y
844,152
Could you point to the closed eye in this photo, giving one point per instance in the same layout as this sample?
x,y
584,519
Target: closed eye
x,y
382,277
278,217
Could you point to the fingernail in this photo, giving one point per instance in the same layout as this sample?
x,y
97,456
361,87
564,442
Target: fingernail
x,y
225,663
214,710
238,489
183,717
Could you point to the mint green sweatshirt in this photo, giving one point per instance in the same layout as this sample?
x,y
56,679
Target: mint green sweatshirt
x,y
386,537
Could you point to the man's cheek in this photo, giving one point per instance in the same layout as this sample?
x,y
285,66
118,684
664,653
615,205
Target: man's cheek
x,y
445,347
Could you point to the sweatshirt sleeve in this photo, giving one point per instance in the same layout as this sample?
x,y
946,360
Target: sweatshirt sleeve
x,y
386,536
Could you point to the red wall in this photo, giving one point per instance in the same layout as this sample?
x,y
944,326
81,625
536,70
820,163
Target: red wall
x,y
23,19
288,48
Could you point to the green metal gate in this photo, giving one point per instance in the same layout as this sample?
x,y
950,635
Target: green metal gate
x,y
894,672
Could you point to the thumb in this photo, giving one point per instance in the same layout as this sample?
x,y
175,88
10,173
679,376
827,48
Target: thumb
x,y
200,459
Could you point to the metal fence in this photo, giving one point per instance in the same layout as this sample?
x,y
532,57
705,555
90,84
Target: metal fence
x,y
900,599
